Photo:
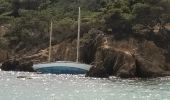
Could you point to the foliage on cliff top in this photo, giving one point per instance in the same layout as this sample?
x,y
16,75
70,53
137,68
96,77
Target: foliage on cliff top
x,y
28,20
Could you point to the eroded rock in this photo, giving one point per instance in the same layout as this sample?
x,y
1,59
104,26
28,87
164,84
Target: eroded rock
x,y
143,59
15,65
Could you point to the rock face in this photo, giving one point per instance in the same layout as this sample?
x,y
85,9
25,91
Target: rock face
x,y
129,58
15,65
146,68
125,63
10,65
99,72
150,61
3,55
142,55
113,61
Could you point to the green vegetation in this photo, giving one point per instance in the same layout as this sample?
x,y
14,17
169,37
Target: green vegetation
x,y
28,20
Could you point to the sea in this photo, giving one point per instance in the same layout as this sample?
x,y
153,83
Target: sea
x,y
33,86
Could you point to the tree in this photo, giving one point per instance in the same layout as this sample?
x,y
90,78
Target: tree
x,y
15,7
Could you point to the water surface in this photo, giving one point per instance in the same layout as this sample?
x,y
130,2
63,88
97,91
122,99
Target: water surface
x,y
32,86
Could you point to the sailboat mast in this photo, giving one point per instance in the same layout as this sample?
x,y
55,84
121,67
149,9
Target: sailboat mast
x,y
51,31
78,36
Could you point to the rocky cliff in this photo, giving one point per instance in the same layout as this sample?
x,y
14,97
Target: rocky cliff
x,y
124,38
111,56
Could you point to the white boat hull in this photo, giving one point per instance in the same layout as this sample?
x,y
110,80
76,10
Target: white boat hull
x,y
62,67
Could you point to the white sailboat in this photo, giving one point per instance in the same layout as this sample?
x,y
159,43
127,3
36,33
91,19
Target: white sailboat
x,y
63,67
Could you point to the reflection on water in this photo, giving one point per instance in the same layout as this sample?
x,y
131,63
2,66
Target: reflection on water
x,y
31,86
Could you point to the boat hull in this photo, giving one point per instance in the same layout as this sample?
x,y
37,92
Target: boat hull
x,y
62,68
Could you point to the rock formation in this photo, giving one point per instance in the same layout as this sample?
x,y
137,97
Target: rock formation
x,y
15,65
130,58
125,58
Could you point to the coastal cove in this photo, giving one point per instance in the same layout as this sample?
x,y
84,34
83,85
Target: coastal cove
x,y
26,86
84,49
124,38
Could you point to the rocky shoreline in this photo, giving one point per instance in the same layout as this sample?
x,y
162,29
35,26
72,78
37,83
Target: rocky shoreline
x,y
126,38
125,58
15,65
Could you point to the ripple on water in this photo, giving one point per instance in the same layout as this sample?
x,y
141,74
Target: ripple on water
x,y
32,86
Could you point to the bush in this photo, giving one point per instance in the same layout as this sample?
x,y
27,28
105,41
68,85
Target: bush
x,y
30,31
5,6
30,24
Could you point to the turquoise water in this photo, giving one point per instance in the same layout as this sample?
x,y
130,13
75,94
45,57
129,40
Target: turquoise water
x,y
73,87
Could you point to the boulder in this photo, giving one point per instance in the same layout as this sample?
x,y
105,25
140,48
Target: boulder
x,y
10,65
146,68
112,62
15,65
127,67
26,66
150,60
3,55
99,72
145,59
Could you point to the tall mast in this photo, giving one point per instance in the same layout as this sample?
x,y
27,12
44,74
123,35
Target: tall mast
x,y
78,36
51,31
